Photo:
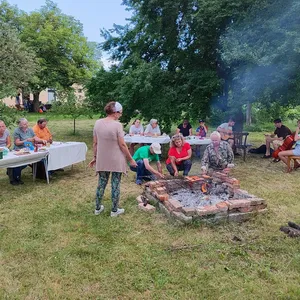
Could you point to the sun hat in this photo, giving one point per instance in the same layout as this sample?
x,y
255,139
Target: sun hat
x,y
156,148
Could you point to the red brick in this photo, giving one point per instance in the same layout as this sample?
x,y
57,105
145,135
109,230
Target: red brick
x,y
160,190
148,208
223,206
257,201
239,203
176,204
207,210
189,211
168,205
163,197
245,209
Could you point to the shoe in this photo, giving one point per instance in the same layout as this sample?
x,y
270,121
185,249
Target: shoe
x,y
275,160
14,182
139,182
98,211
118,212
20,181
237,154
267,156
293,225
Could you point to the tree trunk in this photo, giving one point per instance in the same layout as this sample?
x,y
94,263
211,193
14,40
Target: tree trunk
x,y
36,101
74,120
248,113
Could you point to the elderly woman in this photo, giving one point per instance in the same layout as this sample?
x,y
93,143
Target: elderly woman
x,y
135,128
179,156
283,155
110,154
5,140
218,155
22,134
152,129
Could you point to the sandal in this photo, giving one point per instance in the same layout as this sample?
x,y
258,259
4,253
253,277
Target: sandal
x,y
267,156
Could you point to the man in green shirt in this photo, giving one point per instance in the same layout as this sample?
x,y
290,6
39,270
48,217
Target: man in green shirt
x,y
143,156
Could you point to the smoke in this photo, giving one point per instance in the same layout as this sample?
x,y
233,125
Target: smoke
x,y
262,52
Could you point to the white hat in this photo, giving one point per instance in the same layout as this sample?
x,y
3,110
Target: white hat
x,y
156,148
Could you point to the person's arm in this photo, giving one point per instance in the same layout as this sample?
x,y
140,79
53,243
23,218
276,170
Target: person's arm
x,y
38,140
147,130
191,131
8,141
189,152
173,164
150,169
159,168
296,137
205,162
126,152
158,130
177,130
93,161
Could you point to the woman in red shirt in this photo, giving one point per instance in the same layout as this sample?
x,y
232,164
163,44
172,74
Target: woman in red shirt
x,y
179,156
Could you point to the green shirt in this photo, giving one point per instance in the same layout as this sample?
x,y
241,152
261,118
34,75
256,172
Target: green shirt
x,y
144,152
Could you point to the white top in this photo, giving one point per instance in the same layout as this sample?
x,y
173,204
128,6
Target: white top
x,y
136,130
225,126
150,129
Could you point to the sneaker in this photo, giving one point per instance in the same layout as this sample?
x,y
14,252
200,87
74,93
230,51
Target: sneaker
x,y
118,212
98,211
14,182
139,182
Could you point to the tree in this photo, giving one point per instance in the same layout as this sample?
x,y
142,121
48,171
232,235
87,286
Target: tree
x,y
62,51
263,53
71,106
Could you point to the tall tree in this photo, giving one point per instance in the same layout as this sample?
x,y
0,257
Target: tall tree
x,y
62,51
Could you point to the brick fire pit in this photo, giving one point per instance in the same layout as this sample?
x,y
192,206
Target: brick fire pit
x,y
216,198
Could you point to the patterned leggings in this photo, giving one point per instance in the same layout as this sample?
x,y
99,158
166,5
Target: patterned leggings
x,y
115,188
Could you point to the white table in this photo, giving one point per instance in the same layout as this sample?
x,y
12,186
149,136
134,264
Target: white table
x,y
65,154
194,140
140,139
11,160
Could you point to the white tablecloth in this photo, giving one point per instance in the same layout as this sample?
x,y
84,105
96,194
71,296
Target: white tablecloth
x,y
65,154
11,160
196,141
147,139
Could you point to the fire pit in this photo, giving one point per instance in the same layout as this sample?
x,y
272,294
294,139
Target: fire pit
x,y
215,198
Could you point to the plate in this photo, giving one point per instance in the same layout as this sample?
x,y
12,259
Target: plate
x,y
19,153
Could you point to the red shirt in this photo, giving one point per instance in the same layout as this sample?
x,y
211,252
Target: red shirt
x,y
173,152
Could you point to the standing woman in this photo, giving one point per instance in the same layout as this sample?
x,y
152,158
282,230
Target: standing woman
x,y
110,154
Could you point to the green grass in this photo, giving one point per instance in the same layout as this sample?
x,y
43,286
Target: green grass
x,y
53,247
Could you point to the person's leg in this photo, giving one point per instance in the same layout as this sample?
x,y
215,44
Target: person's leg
x,y
131,148
17,174
115,189
186,164
283,155
140,171
170,169
198,152
268,146
102,182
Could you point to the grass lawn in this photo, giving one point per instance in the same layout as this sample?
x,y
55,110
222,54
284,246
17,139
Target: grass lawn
x,y
53,247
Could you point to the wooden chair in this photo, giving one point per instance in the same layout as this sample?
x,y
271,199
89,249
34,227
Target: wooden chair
x,y
294,157
240,142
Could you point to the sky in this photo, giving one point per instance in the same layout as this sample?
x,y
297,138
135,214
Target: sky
x,y
93,14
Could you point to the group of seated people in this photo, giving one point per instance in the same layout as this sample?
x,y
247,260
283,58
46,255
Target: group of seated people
x,y
217,156
23,137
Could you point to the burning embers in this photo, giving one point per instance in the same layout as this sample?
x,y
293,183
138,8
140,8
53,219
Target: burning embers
x,y
214,198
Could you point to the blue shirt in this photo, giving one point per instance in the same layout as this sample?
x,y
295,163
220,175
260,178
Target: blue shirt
x,y
22,136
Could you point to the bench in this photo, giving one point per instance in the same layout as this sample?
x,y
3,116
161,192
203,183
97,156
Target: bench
x,y
290,157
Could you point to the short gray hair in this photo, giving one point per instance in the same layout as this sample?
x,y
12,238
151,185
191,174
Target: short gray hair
x,y
22,120
216,133
152,121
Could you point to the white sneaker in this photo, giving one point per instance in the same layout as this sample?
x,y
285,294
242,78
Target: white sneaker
x,y
118,212
98,211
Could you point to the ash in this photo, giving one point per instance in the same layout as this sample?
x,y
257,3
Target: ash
x,y
189,198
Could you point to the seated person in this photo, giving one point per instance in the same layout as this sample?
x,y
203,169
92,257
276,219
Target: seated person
x,y
135,128
41,130
152,129
281,132
184,128
218,155
179,156
143,156
283,155
225,130
5,140
201,131
22,134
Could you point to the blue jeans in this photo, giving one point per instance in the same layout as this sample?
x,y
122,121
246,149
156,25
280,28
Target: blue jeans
x,y
15,173
184,166
141,172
